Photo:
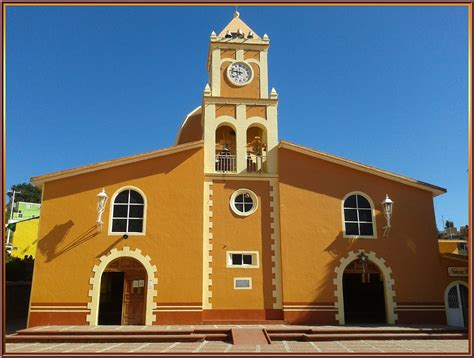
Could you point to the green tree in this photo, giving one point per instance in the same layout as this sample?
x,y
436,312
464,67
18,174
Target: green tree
x,y
449,224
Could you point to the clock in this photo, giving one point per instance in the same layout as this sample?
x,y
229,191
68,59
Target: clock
x,y
239,73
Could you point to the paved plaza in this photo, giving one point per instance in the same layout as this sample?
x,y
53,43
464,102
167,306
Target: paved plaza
x,y
356,346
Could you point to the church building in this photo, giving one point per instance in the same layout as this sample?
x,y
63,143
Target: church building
x,y
232,224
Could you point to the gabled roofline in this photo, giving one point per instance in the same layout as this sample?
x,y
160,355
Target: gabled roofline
x,y
41,179
435,190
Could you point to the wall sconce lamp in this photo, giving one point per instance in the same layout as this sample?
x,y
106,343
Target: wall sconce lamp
x,y
101,201
363,262
387,205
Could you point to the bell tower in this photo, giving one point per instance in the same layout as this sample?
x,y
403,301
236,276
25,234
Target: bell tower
x,y
239,114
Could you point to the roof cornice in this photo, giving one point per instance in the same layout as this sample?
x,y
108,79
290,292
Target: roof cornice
x,y
436,190
41,179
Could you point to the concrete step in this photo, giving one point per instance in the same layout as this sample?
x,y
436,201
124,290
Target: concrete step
x,y
104,338
380,336
238,323
90,332
356,331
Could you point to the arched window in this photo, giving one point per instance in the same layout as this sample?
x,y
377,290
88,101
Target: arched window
x,y
128,212
358,218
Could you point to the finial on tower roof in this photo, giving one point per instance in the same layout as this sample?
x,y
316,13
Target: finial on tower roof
x,y
236,13
273,93
207,90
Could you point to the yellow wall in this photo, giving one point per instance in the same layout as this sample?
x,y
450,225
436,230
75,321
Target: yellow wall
x,y
449,246
311,192
25,238
69,246
235,233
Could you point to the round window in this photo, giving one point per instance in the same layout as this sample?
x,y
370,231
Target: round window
x,y
243,202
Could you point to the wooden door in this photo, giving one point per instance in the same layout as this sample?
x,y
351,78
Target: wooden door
x,y
134,298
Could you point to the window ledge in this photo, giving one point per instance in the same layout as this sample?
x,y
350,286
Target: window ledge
x,y
126,233
359,237
243,266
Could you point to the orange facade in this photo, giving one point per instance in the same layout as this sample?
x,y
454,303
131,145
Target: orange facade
x,y
232,225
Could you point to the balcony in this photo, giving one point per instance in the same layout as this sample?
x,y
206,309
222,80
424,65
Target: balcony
x,y
256,163
226,163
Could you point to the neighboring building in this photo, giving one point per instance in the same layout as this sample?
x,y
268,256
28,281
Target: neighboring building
x,y
25,210
454,249
231,224
26,231
25,239
454,241
452,233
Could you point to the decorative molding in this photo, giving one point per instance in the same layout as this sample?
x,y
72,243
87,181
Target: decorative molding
x,y
94,293
207,246
275,244
247,101
389,282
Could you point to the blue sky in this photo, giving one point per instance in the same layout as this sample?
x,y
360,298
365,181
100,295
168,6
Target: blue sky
x,y
385,86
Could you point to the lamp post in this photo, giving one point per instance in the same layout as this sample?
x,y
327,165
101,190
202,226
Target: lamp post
x,y
101,201
11,216
387,205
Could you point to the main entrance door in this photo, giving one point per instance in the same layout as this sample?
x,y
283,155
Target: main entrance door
x,y
364,299
457,305
123,293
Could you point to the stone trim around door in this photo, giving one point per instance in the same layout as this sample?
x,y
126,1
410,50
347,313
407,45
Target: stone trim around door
x,y
97,270
389,282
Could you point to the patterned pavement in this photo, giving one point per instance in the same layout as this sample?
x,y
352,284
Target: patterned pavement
x,y
417,346
356,346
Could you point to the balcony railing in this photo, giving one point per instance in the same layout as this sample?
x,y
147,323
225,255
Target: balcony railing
x,y
256,163
226,163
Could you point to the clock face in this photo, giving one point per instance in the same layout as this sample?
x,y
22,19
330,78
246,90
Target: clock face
x,y
239,73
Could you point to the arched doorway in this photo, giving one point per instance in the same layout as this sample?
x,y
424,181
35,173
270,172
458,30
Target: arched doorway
x,y
123,288
363,292
456,301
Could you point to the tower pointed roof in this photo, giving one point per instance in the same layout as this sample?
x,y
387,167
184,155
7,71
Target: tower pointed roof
x,y
237,24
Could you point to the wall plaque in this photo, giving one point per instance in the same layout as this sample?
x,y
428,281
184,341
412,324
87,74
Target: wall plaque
x,y
458,271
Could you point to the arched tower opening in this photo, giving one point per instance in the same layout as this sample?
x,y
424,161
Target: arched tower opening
x,y
256,149
225,149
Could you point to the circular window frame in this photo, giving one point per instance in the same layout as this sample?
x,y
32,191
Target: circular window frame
x,y
239,192
232,80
